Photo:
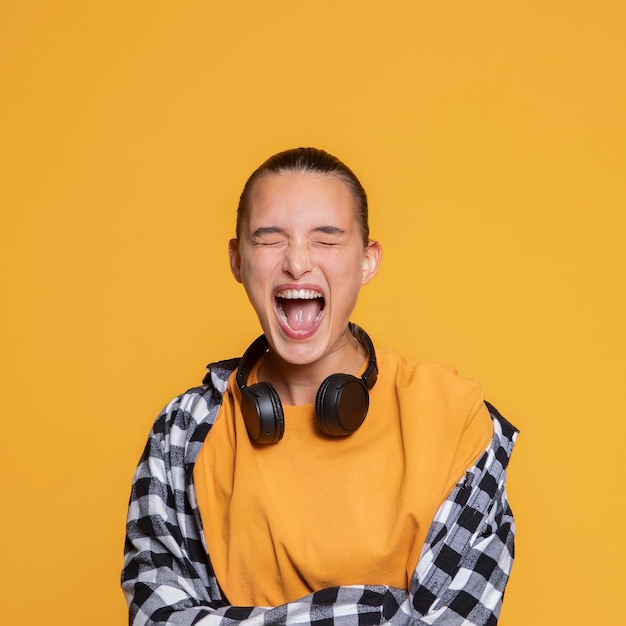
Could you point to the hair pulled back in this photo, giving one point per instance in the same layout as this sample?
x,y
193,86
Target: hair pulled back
x,y
308,161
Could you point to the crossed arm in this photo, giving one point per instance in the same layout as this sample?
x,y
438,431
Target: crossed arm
x,y
459,580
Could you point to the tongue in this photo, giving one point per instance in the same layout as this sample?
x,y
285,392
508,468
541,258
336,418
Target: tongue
x,y
301,314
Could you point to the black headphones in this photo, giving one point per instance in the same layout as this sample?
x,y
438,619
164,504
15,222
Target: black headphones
x,y
340,405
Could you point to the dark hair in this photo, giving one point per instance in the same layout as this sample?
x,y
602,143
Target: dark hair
x,y
308,160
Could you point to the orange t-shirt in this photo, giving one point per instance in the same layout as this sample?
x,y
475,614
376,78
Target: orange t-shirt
x,y
314,511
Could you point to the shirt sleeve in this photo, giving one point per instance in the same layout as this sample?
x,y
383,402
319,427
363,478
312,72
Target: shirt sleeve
x,y
476,438
467,559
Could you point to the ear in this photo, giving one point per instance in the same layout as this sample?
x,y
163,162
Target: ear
x,y
371,260
235,259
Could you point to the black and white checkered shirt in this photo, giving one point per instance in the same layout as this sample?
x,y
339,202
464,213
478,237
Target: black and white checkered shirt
x,y
168,578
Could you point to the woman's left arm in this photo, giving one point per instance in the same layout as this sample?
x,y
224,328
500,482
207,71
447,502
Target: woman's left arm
x,y
468,555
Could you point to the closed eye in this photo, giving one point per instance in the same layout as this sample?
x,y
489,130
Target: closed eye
x,y
268,236
331,235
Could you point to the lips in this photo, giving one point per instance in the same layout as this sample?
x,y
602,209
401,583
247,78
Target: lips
x,y
299,309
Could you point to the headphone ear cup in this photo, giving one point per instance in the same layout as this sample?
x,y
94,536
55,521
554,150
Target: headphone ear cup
x,y
263,413
341,404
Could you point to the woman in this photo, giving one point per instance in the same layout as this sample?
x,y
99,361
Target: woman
x,y
318,479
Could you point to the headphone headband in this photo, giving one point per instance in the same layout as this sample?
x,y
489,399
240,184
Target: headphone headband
x,y
341,403
370,374
260,346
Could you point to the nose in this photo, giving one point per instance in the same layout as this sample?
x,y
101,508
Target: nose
x,y
297,262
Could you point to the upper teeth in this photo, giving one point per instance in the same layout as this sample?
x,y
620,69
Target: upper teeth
x,y
299,294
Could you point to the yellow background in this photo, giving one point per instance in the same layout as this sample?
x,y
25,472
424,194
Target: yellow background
x,y
491,139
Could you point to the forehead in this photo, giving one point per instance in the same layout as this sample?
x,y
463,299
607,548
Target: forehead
x,y
297,195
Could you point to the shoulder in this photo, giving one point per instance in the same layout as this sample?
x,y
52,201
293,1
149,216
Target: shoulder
x,y
432,397
437,377
186,419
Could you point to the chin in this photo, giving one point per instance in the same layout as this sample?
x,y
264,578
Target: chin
x,y
296,349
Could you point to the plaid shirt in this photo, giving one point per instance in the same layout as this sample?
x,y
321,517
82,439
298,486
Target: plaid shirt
x,y
168,578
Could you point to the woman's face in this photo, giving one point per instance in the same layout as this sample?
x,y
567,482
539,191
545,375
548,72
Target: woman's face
x,y
302,261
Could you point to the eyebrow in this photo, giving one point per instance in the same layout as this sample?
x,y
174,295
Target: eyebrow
x,y
267,230
275,230
330,230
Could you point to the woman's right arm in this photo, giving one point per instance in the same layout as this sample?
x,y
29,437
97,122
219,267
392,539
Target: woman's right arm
x,y
167,576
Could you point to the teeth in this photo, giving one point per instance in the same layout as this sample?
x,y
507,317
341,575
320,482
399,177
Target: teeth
x,y
299,294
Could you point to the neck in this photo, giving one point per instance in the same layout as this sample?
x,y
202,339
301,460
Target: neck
x,y
298,384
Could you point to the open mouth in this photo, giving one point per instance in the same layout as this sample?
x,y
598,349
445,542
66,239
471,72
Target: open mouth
x,y
300,309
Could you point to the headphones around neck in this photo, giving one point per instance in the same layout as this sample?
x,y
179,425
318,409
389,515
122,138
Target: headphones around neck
x,y
340,405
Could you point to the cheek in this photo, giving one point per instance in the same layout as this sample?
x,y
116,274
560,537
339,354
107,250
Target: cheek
x,y
255,275
252,266
352,270
347,279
